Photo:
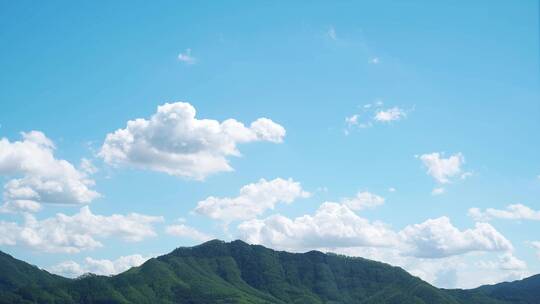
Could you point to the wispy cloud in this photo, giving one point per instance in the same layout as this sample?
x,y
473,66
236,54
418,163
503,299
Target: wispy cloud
x,y
512,212
183,230
332,33
372,113
535,245
374,60
363,200
438,191
390,114
186,57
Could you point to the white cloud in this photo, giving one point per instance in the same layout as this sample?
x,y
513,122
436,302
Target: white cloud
x,y
460,271
332,225
182,230
373,114
512,212
391,114
437,238
438,191
81,231
38,177
466,175
391,189
443,169
175,142
434,250
363,200
101,267
87,166
252,201
510,262
266,130
477,215
506,268
352,120
336,226
20,205
186,57
70,269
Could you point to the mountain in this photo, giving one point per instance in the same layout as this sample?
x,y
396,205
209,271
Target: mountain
x,y
523,292
21,280
235,272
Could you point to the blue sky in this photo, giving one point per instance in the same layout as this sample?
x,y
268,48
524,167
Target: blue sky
x,y
457,78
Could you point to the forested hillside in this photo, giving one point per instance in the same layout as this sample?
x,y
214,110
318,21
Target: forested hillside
x,y
219,272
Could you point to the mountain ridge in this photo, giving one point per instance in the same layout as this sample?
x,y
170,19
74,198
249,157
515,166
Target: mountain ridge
x,y
236,272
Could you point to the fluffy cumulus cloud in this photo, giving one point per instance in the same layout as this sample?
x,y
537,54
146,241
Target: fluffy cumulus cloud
x,y
512,212
388,115
434,250
185,231
37,177
174,141
252,201
337,226
72,234
436,238
363,200
332,225
98,266
443,169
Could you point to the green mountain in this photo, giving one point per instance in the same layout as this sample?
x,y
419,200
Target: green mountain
x,y
235,272
523,292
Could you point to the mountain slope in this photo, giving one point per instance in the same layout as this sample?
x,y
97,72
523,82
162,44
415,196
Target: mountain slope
x,y
520,292
19,280
219,272
523,291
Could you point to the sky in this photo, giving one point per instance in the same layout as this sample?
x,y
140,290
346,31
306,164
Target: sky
x,y
404,132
